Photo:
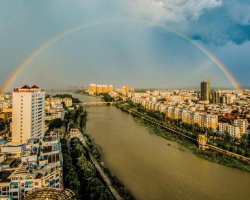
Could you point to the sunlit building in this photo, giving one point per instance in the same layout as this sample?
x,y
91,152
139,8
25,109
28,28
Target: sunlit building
x,y
125,89
111,88
17,183
242,124
99,89
92,89
233,130
28,113
105,89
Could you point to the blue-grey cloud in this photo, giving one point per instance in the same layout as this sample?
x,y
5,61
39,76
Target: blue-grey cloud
x,y
220,25
211,21
128,52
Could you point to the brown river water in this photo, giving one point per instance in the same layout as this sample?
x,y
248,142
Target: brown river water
x,y
153,168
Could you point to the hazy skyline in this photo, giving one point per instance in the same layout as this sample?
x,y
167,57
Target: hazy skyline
x,y
127,53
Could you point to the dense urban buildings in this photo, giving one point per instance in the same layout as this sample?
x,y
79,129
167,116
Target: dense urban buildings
x,y
223,111
32,159
54,107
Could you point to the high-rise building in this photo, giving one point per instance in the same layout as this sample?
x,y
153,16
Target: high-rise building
x,y
111,88
216,97
99,89
92,88
205,90
125,89
228,99
28,113
104,89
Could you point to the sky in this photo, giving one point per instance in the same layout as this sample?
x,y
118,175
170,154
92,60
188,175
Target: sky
x,y
126,46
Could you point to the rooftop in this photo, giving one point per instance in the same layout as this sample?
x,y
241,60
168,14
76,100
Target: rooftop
x,y
8,161
50,194
4,176
27,88
14,144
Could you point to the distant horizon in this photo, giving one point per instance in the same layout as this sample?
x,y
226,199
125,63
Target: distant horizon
x,y
137,88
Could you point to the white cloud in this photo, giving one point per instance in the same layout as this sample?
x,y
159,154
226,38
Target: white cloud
x,y
170,10
239,13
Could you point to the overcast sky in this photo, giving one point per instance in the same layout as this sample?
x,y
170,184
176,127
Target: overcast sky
x,y
128,52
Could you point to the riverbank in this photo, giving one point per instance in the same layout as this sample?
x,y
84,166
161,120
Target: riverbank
x,y
84,171
155,168
208,154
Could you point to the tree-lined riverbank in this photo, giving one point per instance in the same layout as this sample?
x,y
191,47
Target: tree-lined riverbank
x,y
155,168
84,171
208,154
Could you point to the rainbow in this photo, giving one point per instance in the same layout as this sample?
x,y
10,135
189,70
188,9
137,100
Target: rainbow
x,y
74,30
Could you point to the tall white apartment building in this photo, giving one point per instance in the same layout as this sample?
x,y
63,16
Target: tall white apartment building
x,y
28,113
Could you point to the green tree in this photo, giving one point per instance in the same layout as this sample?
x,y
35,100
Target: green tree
x,y
56,123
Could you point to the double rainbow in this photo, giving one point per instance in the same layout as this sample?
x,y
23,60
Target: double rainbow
x,y
74,30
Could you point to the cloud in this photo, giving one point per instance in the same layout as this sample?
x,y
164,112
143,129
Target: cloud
x,y
171,10
238,13
217,27
215,22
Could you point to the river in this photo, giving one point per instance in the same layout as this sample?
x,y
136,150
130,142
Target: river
x,y
154,168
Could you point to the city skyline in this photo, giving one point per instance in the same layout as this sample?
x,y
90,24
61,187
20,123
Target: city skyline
x,y
151,56
124,99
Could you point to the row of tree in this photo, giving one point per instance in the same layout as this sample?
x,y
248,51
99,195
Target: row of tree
x,y
107,97
222,140
2,125
74,119
70,176
123,191
92,186
83,178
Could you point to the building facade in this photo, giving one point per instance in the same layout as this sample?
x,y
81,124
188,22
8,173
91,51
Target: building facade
x,y
205,90
125,89
92,88
242,124
28,113
233,130
111,88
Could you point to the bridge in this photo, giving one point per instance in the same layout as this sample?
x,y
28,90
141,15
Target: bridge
x,y
94,104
